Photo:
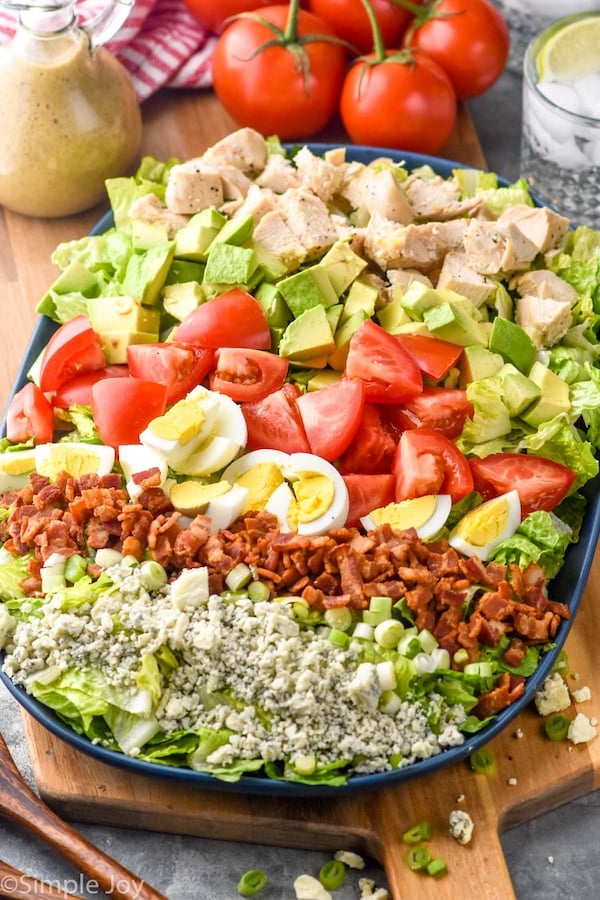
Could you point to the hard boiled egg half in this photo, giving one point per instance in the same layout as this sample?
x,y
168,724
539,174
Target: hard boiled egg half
x,y
487,525
427,515
305,492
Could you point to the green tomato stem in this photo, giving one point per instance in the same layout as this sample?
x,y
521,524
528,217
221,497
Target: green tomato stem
x,y
290,35
378,45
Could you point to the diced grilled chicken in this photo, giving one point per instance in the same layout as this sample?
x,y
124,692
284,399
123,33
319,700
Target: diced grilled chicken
x,y
377,191
545,320
309,219
193,187
493,247
149,209
318,175
258,202
235,183
411,246
542,226
278,175
273,233
436,198
544,283
457,275
405,277
245,149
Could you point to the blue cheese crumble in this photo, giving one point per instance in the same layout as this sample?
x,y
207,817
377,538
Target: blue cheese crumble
x,y
278,691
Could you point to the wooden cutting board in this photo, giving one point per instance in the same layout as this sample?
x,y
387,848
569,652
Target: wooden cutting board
x,y
82,789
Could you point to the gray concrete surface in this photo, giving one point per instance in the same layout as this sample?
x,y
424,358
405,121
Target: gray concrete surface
x,y
553,856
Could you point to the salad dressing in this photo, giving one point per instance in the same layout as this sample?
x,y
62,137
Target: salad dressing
x,y
69,118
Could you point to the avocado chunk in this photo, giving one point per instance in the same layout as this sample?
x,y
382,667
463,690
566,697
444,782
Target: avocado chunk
x,y
228,264
180,299
148,234
115,344
342,265
518,391
146,272
274,306
235,231
478,362
393,316
362,295
182,270
323,379
512,343
121,321
306,289
272,267
449,322
337,360
418,298
334,315
193,240
308,336
554,396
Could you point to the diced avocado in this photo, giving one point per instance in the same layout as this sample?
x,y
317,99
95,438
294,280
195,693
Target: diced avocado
x,y
193,240
323,379
180,299
554,399
312,362
512,343
272,267
121,314
146,272
274,306
419,297
362,295
307,288
182,270
76,278
334,315
228,264
337,359
477,362
236,231
342,265
393,315
449,322
307,336
115,343
518,391
148,234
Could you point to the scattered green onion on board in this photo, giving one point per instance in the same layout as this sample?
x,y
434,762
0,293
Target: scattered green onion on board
x,y
482,762
332,874
417,833
556,727
418,858
251,883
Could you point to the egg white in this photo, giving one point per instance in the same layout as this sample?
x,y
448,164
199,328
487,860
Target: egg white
x,y
15,468
304,464
229,435
499,518
425,528
227,508
135,458
244,463
173,449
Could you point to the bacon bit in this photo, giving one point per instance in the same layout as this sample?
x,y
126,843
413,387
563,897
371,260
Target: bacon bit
x,y
509,688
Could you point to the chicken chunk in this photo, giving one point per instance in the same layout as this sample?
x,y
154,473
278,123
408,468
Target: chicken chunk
x,y
318,175
457,275
437,198
278,175
540,225
420,247
273,233
494,247
257,203
309,219
377,191
235,183
546,321
405,277
544,283
192,187
149,209
245,149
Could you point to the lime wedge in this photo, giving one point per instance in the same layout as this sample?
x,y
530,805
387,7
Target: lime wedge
x,y
572,51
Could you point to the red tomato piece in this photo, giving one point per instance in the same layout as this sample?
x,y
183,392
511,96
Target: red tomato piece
x,y
275,422
433,356
349,20
366,493
73,348
372,449
123,407
214,13
180,367
426,462
233,319
245,374
388,371
541,483
77,391
443,409
30,416
331,416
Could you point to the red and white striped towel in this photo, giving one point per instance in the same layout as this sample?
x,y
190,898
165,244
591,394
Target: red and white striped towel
x,y
160,44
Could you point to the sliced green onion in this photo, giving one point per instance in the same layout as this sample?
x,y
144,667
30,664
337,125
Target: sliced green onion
x,y
332,874
409,644
436,867
557,727
363,631
238,577
130,560
152,575
427,641
251,883
390,703
395,760
561,664
300,610
386,675
460,657
381,605
482,668
305,765
482,762
418,857
258,592
388,633
75,568
107,557
339,638
419,832
340,618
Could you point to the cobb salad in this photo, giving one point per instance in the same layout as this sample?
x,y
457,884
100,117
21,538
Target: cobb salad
x,y
285,491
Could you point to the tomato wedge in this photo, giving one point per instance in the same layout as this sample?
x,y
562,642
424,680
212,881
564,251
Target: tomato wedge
x,y
73,348
331,416
366,493
541,483
427,462
77,391
372,448
388,371
123,407
433,356
233,319
180,367
275,422
443,409
245,374
30,415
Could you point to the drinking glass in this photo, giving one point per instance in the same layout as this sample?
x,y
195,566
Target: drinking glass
x,y
560,141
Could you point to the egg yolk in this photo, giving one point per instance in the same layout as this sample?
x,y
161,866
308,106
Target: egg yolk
x,y
407,513
63,459
482,525
180,423
314,495
19,465
260,481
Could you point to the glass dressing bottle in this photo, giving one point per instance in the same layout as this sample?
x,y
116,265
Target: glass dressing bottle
x,y
69,117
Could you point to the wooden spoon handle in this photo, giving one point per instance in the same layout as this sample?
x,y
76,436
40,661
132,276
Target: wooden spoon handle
x,y
19,803
16,885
